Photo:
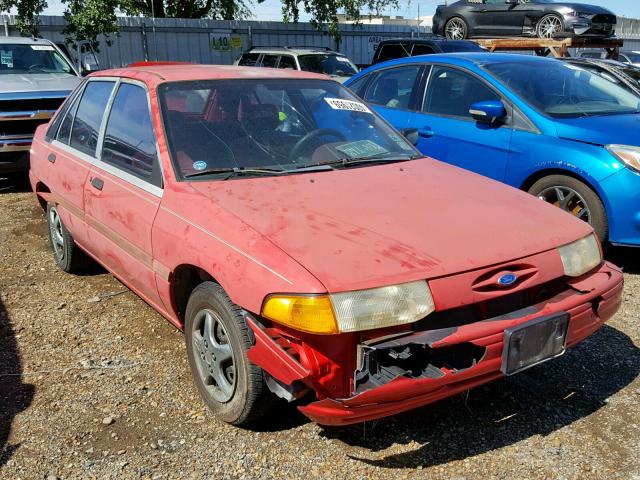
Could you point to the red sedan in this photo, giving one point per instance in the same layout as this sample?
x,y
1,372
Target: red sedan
x,y
306,248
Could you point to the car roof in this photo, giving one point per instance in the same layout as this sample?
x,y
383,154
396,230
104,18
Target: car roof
x,y
466,58
293,50
156,74
24,41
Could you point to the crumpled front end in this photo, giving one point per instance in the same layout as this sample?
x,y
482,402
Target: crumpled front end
x,y
358,378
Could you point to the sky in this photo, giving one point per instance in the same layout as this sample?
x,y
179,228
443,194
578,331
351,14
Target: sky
x,y
271,9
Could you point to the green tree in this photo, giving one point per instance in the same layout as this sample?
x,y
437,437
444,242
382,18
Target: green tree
x,y
89,18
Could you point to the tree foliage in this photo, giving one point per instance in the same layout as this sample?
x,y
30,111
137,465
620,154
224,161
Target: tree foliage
x,y
89,18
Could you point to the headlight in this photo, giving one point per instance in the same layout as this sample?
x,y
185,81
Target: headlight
x,y
629,155
581,256
351,311
579,15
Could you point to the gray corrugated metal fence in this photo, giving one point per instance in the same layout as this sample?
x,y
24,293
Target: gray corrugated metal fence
x,y
220,42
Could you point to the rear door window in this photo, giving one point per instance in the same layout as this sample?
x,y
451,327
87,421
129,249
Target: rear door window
x,y
88,119
60,129
422,49
270,61
393,88
287,62
129,141
389,51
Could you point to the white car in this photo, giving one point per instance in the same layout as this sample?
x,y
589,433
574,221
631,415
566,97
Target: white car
x,y
309,59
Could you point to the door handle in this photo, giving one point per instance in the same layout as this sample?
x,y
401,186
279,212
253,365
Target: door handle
x,y
426,132
52,157
97,183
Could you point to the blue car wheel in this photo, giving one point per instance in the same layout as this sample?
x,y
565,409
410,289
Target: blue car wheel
x,y
574,197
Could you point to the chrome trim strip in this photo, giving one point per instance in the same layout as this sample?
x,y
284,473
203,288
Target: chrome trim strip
x,y
72,151
62,94
224,242
32,115
130,179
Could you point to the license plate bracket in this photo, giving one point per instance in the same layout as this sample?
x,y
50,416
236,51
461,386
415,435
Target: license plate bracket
x,y
534,342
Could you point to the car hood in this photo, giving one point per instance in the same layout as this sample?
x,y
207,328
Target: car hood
x,y
380,225
38,82
606,130
582,8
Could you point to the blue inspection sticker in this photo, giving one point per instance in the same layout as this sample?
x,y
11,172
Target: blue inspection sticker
x,y
199,165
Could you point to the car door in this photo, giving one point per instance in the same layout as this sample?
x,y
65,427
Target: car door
x,y
70,155
393,92
447,131
124,190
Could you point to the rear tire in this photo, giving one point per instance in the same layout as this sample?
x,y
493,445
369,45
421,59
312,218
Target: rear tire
x,y
218,338
66,253
456,28
576,198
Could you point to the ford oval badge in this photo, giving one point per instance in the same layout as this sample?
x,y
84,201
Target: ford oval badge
x,y
507,279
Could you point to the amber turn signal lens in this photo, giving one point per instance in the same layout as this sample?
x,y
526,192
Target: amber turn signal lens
x,y
312,314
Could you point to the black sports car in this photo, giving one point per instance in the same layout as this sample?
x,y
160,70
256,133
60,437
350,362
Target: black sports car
x,y
532,18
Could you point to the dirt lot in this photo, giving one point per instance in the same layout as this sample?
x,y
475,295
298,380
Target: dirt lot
x,y
95,384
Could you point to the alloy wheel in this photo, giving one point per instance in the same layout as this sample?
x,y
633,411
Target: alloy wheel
x,y
214,355
550,26
55,227
568,200
456,29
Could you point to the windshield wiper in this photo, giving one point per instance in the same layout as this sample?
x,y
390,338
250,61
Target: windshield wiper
x,y
379,158
235,171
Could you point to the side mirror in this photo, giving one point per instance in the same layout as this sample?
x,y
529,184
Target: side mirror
x,y
490,111
412,135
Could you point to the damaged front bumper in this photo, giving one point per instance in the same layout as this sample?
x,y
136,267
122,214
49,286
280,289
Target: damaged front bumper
x,y
451,360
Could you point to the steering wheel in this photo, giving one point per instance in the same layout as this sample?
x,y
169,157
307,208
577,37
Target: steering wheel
x,y
304,142
38,66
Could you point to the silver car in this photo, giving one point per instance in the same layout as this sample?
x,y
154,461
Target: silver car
x,y
35,78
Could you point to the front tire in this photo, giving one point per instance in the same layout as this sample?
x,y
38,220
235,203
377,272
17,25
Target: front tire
x,y
66,253
456,29
576,198
550,26
218,338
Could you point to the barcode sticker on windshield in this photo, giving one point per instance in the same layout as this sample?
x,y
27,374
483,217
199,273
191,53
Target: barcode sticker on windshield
x,y
41,48
350,105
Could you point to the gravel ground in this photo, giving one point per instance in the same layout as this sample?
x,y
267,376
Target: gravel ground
x,y
95,384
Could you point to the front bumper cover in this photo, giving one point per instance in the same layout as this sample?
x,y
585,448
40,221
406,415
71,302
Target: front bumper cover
x,y
590,302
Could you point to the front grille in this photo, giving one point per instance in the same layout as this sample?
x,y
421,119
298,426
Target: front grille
x,y
604,18
505,305
20,127
31,104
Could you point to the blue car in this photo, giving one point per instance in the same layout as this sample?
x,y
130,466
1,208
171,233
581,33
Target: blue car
x,y
553,129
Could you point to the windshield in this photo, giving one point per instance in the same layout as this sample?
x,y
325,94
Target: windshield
x,y
274,125
561,90
20,58
328,64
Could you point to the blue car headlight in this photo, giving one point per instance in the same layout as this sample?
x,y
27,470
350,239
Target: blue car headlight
x,y
629,155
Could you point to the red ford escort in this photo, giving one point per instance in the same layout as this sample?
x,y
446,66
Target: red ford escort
x,y
306,248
